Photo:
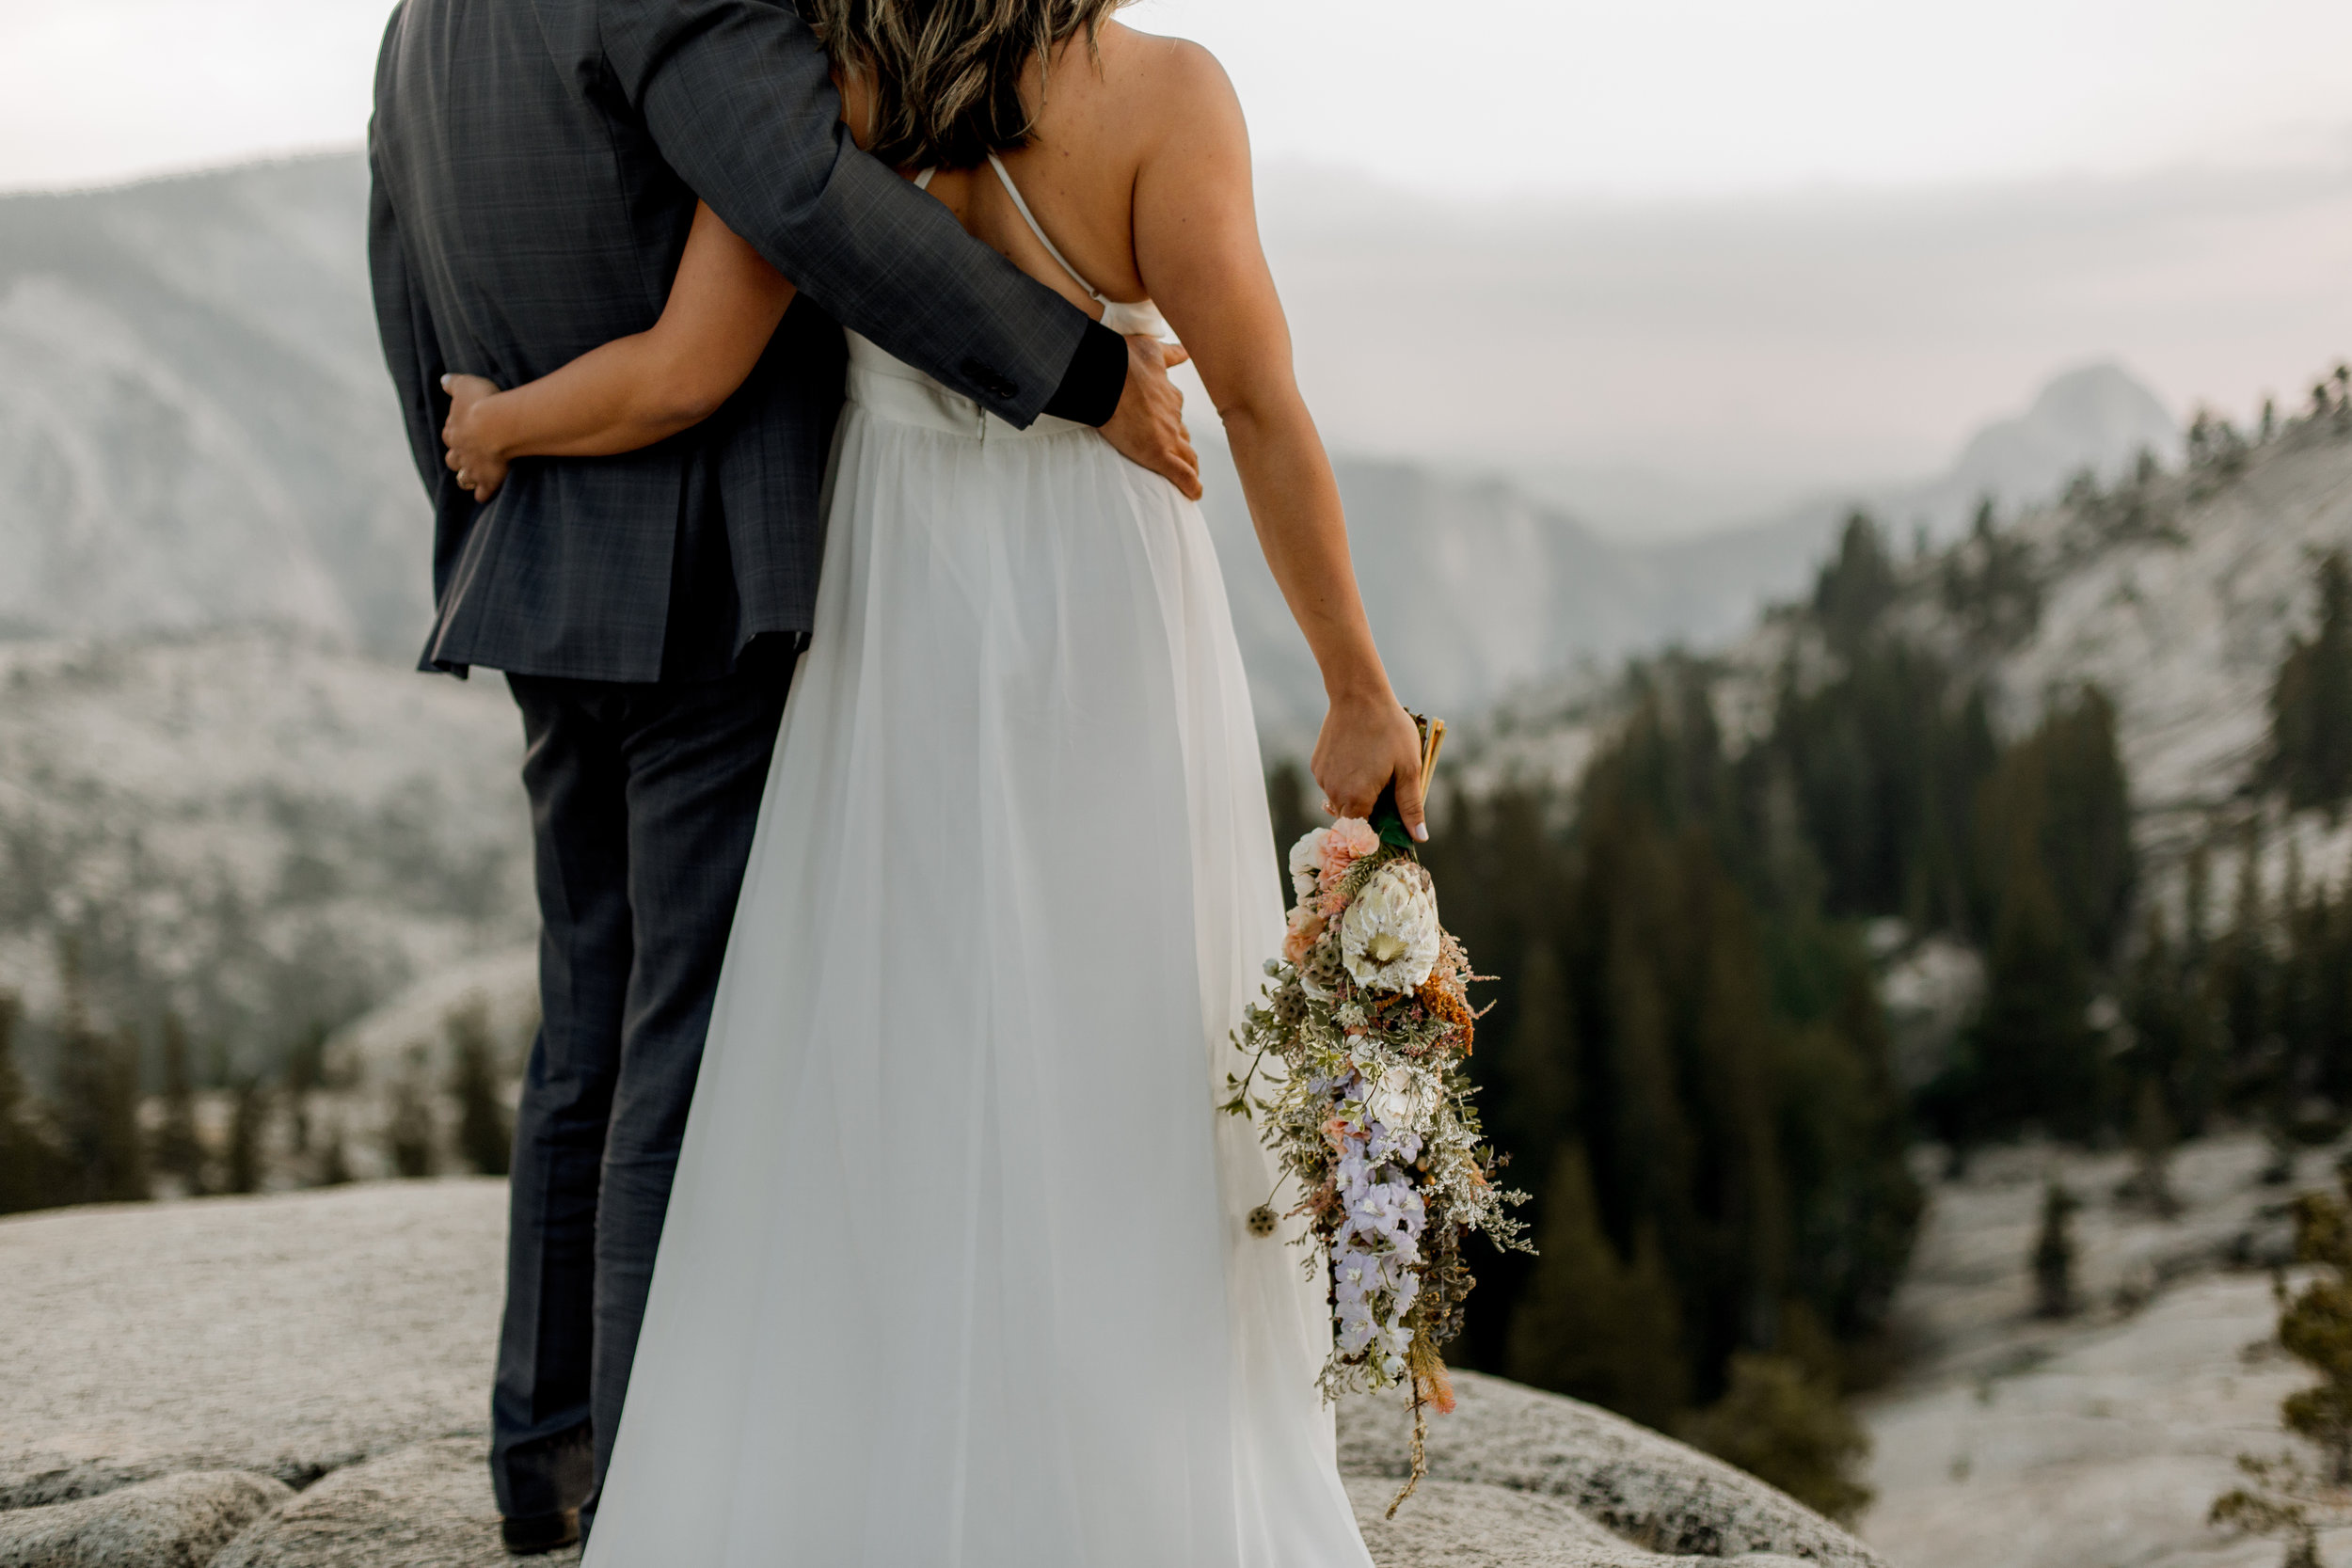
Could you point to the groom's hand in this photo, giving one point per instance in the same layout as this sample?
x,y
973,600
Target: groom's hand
x,y
472,453
1147,427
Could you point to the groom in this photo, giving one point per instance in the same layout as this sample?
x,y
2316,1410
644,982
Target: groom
x,y
536,164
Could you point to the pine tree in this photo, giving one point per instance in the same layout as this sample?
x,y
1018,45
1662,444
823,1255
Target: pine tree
x,y
2328,963
179,1149
2316,1329
1854,1201
1534,1100
334,1169
409,1133
1857,587
2056,872
485,1137
1651,1146
2032,1057
2085,836
1991,585
2243,982
2299,1000
30,1164
1589,1324
98,1112
248,1117
1741,1180
98,1099
305,1068
2150,1183
2054,1254
2154,1007
1790,1429
2310,754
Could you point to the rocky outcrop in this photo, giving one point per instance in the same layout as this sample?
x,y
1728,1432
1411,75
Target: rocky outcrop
x,y
289,1335
172,1371
1453,1524
425,1507
179,1521
1626,1478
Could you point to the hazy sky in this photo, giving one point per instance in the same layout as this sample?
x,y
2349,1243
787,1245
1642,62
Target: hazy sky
x,y
1663,96
1747,249
1696,360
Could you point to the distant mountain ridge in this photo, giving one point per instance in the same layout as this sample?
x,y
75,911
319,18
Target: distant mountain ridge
x,y
2176,593
196,428
196,432
1473,588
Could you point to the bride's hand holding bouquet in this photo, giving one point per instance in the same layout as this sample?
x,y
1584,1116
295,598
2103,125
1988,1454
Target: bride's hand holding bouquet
x,y
1368,744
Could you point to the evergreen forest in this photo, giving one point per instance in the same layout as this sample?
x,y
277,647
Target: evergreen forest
x,y
1685,1061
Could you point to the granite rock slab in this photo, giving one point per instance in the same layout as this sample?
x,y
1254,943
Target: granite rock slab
x,y
1458,1524
424,1507
340,1341
290,1335
179,1521
1638,1484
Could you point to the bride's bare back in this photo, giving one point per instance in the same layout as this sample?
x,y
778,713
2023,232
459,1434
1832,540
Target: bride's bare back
x,y
1137,167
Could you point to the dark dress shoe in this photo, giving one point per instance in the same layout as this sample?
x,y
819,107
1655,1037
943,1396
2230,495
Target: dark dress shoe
x,y
533,1533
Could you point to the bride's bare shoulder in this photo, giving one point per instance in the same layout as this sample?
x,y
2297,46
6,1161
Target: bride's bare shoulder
x,y
1164,78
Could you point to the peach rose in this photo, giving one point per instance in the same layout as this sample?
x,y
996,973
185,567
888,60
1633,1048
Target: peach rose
x,y
1305,927
1350,840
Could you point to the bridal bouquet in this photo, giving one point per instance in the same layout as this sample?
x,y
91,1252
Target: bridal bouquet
x,y
1362,1041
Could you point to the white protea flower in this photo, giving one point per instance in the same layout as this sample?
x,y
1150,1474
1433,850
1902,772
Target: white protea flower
x,y
1388,937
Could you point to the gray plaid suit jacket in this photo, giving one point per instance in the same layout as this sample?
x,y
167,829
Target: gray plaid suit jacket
x,y
536,163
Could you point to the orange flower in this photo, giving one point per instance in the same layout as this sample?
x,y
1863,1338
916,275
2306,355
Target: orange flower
x,y
1446,1003
1430,1384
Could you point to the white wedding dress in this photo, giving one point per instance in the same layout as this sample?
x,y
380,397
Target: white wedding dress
x,y
956,1272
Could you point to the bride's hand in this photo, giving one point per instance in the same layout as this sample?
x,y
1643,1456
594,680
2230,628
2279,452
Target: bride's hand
x,y
473,457
1366,741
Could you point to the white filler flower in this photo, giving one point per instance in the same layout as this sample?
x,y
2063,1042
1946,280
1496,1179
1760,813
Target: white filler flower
x,y
1388,937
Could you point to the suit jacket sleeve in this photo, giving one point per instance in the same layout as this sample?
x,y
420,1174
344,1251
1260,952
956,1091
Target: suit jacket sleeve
x,y
737,95
412,352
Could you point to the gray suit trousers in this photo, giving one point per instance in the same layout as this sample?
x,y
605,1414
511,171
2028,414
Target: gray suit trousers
x,y
642,800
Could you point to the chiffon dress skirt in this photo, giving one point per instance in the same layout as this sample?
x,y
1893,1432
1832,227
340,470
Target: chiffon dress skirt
x,y
956,1272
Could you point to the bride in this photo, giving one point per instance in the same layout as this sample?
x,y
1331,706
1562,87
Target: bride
x,y
956,1270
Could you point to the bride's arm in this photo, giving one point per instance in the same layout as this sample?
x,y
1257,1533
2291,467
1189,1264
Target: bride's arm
x,y
724,307
1197,247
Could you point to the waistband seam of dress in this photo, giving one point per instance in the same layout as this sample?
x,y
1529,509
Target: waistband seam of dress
x,y
984,427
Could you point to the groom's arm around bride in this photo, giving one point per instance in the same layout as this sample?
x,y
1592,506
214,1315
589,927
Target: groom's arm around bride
x,y
536,166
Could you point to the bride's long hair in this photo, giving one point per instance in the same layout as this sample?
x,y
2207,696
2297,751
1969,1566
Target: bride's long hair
x,y
947,74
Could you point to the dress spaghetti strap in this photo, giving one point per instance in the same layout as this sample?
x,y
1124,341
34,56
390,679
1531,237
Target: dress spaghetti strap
x,y
1132,317
1021,205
